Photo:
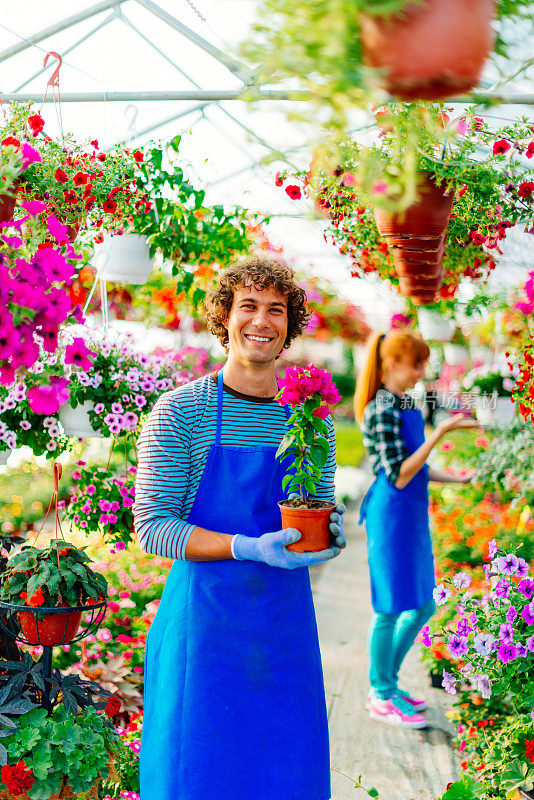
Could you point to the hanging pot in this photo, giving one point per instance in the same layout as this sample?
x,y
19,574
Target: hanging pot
x,y
427,217
455,354
52,629
313,523
124,258
76,421
430,50
435,326
416,286
411,261
7,207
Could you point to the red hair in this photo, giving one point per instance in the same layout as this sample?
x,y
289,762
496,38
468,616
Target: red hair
x,y
396,345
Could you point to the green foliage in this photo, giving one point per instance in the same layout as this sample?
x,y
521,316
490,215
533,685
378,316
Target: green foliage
x,y
180,225
61,745
307,442
349,446
60,571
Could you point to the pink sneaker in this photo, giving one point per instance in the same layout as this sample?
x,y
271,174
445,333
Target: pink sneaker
x,y
395,712
415,703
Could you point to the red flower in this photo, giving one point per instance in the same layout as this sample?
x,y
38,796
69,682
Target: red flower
x,y
109,206
70,196
139,157
525,189
529,750
477,237
279,181
94,142
501,146
88,190
18,779
294,192
114,192
90,202
11,140
80,178
36,123
462,190
61,176
101,156
36,599
530,150
99,238
113,706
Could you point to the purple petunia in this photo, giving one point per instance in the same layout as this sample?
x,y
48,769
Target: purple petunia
x,y
522,568
484,686
502,589
528,613
461,580
464,628
483,643
441,594
507,565
449,682
492,548
530,644
526,587
506,633
511,614
506,653
522,651
425,639
457,645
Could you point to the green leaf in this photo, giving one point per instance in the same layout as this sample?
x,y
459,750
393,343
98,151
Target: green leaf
x,y
318,456
286,442
320,426
310,485
37,580
286,480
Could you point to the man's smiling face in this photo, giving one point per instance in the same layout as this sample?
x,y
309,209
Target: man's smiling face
x,y
257,324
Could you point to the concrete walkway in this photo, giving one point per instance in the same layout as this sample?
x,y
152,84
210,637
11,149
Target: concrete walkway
x,y
401,764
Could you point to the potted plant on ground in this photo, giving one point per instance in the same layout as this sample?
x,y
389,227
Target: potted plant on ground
x,y
309,392
55,577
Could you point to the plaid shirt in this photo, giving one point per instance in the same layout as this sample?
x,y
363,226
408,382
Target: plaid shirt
x,y
381,431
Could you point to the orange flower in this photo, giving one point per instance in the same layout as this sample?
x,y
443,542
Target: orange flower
x,y
204,271
36,599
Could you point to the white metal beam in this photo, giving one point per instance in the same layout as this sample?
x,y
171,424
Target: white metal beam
x,y
233,65
62,25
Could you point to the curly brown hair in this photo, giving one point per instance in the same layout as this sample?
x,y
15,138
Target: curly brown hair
x,y
262,272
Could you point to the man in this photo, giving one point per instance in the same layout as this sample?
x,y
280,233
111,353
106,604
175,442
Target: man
x,y
234,695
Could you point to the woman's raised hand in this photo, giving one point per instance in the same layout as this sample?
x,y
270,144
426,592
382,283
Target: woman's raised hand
x,y
456,422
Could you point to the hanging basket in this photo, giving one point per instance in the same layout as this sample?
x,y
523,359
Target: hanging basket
x,y
432,49
435,326
50,627
125,259
7,207
455,354
76,421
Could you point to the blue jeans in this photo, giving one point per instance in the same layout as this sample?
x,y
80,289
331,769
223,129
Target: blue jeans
x,y
389,639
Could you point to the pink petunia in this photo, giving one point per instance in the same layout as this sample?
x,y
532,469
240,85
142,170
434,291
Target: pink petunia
x,y
79,354
47,399
30,155
34,207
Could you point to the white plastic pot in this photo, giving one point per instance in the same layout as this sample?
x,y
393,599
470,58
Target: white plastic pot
x,y
493,410
124,258
76,421
455,354
435,326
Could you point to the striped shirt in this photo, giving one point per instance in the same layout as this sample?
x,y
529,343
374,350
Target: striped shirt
x,y
381,432
173,448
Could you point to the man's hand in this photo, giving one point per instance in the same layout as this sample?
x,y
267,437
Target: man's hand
x,y
271,549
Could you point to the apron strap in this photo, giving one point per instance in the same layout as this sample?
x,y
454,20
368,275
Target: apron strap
x,y
220,404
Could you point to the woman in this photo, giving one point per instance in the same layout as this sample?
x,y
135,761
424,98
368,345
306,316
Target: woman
x,y
396,513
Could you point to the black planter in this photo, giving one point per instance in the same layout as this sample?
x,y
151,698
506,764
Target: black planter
x,y
436,680
525,795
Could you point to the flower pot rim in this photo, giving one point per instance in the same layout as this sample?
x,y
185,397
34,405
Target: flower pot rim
x,y
305,510
47,610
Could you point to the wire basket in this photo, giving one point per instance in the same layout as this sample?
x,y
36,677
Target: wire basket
x,y
78,622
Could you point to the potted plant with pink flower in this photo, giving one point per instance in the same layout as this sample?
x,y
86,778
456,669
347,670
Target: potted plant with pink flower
x,y
309,392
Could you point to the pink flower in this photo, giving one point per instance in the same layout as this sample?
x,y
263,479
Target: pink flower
x,y
56,229
78,353
30,155
34,207
482,441
120,545
322,412
47,399
90,489
501,146
446,446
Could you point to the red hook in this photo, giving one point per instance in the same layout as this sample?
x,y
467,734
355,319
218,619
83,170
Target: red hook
x,y
54,78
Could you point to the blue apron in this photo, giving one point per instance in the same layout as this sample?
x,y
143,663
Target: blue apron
x,y
399,546
234,694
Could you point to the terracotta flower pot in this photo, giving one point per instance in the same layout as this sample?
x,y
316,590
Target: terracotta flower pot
x,y
7,207
430,50
52,629
427,217
312,523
